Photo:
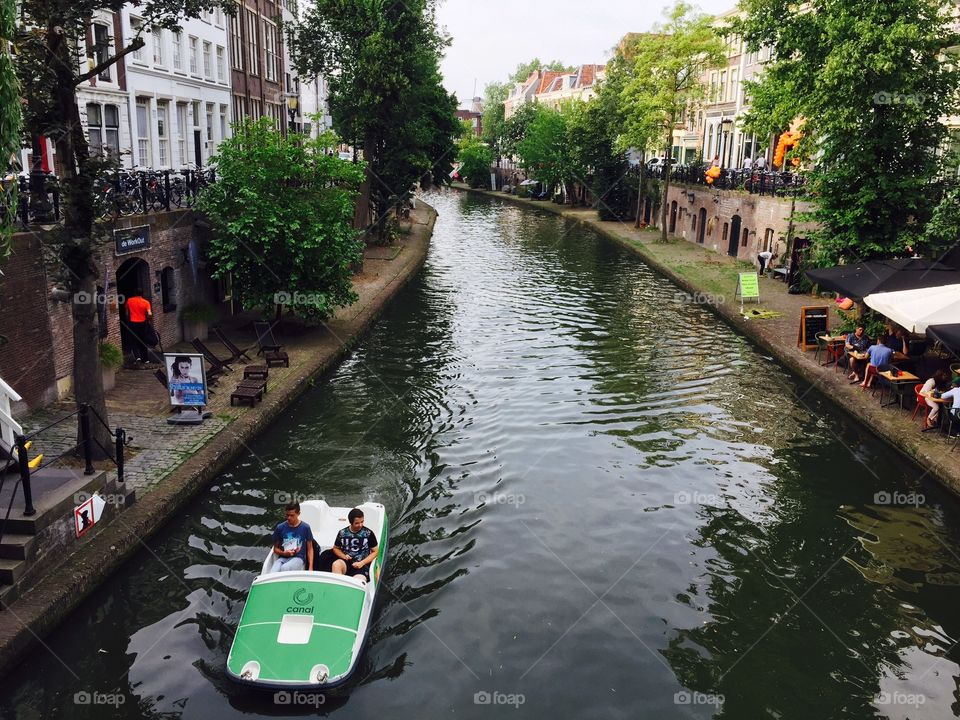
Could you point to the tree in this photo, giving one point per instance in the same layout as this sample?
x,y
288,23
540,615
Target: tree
x,y
524,70
545,151
10,115
494,121
870,82
475,160
665,78
52,60
515,127
282,218
386,93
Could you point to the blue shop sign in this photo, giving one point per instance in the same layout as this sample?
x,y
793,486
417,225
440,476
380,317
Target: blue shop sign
x,y
131,240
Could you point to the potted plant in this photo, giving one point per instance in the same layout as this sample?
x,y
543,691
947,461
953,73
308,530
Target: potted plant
x,y
110,361
196,318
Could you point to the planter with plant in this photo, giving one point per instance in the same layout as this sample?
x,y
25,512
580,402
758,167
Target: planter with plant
x,y
111,359
197,318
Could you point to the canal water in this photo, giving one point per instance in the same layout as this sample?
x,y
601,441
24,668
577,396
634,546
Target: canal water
x,y
605,504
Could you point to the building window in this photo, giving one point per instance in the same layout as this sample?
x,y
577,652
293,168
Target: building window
x,y
239,108
101,49
253,39
221,64
223,122
136,29
255,112
236,43
270,47
194,52
207,61
218,16
163,115
177,51
167,290
767,240
726,231
210,124
157,46
143,134
744,237
182,132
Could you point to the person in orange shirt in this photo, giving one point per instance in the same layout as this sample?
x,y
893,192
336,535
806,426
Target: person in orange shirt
x,y
139,312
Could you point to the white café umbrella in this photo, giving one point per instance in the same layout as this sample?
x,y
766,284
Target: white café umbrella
x,y
915,309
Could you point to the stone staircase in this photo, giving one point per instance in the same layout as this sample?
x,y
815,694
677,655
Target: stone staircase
x,y
25,542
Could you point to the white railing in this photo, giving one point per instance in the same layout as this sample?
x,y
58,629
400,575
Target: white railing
x,y
9,427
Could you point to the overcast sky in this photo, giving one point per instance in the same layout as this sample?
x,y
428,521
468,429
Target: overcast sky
x,y
491,37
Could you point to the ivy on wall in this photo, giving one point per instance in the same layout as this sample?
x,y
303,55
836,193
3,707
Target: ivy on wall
x,y
10,118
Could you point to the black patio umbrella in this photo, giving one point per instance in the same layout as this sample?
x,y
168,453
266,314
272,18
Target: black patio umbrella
x,y
862,279
948,334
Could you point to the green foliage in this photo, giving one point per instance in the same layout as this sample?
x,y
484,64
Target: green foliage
x,y
10,117
386,92
524,70
871,83
110,356
943,231
544,151
475,161
515,127
282,212
494,122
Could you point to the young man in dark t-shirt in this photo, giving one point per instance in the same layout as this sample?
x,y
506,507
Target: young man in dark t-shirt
x,y
292,543
355,547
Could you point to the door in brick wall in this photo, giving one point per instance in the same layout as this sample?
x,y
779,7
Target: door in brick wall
x,y
701,226
734,237
132,275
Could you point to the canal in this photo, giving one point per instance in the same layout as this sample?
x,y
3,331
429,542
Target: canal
x,y
606,504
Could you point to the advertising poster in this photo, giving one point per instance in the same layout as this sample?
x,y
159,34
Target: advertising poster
x,y
186,380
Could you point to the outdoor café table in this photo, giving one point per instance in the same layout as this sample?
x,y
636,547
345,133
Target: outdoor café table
x,y
897,383
833,351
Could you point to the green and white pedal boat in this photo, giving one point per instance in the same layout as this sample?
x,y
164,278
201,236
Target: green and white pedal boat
x,y
306,630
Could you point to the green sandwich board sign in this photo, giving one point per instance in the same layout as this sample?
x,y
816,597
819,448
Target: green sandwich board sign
x,y
748,286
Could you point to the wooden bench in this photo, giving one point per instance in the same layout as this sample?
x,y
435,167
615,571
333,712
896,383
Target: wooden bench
x,y
246,395
256,371
276,358
254,384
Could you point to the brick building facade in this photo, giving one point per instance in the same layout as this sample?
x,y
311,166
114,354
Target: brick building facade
x,y
37,359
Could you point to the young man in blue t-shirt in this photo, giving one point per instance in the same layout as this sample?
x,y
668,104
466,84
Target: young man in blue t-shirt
x,y
880,358
355,547
292,542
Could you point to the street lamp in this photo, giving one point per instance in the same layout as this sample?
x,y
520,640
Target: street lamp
x,y
293,104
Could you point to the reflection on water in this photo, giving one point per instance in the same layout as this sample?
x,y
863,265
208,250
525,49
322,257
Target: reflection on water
x,y
604,504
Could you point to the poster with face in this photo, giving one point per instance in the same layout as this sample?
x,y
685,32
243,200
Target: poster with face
x,y
186,380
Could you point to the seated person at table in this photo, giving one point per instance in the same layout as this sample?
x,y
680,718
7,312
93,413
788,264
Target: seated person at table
x,y
939,381
857,341
880,358
898,341
355,547
952,396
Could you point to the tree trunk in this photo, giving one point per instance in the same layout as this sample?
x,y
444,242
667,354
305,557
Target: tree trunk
x,y
666,185
77,245
640,193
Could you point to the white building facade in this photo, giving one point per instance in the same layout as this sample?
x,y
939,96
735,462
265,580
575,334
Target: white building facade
x,y
178,92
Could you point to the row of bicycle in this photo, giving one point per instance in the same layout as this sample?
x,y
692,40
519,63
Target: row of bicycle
x,y
28,200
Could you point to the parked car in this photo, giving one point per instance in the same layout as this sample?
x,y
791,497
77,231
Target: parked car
x,y
659,162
